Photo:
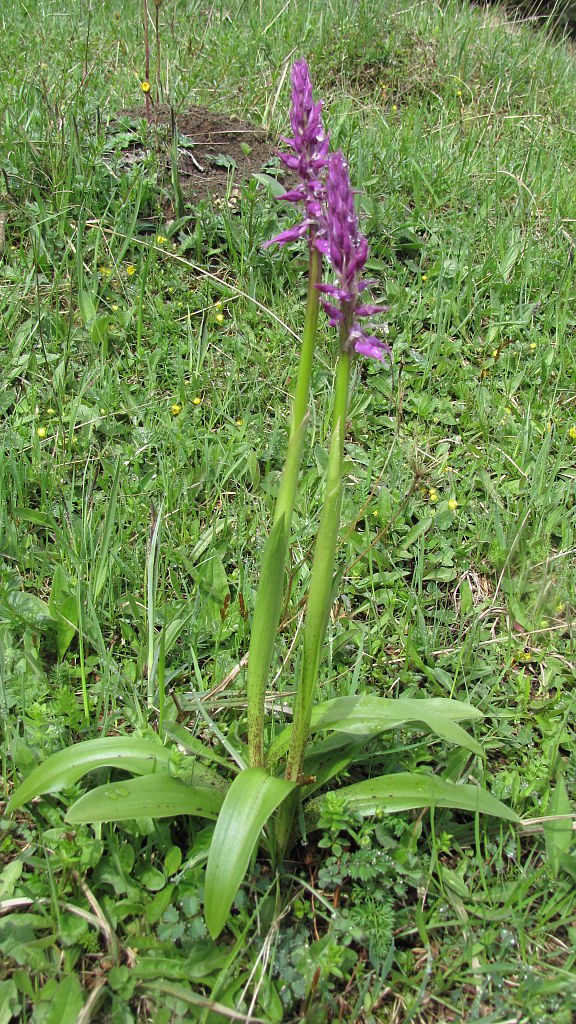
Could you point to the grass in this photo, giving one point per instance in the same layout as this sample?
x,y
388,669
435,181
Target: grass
x,y
131,535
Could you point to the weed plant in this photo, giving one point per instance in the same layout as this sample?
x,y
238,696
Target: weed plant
x,y
143,371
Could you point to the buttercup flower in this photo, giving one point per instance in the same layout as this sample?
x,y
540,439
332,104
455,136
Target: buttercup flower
x,y
347,251
572,433
453,504
145,87
41,433
309,157
176,409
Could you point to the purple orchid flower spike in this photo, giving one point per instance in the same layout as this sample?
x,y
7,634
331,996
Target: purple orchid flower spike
x,y
309,159
347,251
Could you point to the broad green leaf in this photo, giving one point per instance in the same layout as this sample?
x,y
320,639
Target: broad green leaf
x,y
9,1001
367,716
103,566
389,794
86,307
63,609
272,185
31,609
131,753
414,533
212,581
65,1002
558,827
151,796
184,738
252,798
99,334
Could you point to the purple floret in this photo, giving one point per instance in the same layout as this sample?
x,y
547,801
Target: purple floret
x,y
347,251
309,158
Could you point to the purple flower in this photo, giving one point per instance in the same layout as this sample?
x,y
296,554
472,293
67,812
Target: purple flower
x,y
309,158
347,251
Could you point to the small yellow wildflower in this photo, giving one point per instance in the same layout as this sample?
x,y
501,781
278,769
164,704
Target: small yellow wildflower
x,y
375,512
105,271
424,277
508,410
196,401
572,433
494,353
459,92
239,422
145,87
102,412
130,269
532,345
161,239
50,411
448,469
176,409
217,305
41,433
432,494
453,504
394,107
219,318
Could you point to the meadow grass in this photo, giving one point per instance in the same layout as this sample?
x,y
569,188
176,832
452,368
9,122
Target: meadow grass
x,y
142,443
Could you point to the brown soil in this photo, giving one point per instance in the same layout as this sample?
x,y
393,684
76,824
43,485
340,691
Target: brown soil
x,y
212,149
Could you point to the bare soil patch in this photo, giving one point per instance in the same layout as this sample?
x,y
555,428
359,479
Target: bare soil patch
x,y
215,151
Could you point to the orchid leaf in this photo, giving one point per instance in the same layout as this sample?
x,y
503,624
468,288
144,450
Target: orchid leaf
x,y
139,755
252,798
155,796
388,794
367,716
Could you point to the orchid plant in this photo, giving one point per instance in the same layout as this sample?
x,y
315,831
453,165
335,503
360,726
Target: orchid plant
x,y
278,789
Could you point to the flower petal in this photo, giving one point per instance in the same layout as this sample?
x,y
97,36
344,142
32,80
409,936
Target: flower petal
x,y
290,235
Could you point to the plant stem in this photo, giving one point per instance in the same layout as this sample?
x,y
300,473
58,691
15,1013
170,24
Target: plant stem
x,y
147,56
320,593
319,602
271,585
157,28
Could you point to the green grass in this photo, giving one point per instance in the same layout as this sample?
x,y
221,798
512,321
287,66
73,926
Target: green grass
x,y
460,131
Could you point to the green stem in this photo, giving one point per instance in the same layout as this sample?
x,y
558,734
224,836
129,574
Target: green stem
x,y
320,593
268,604
319,603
